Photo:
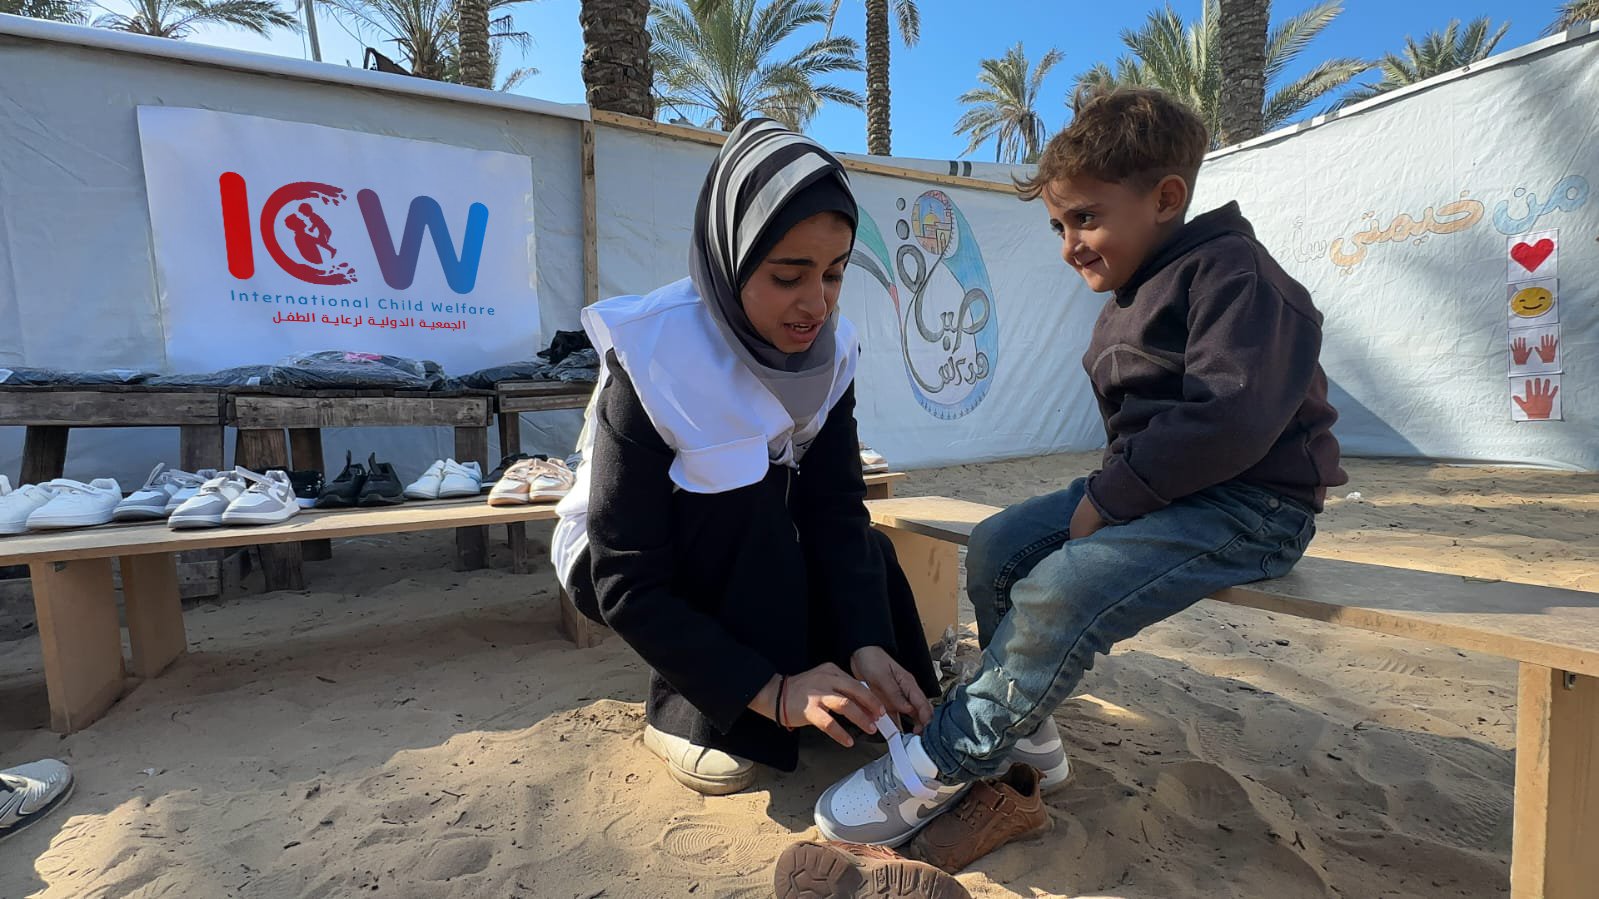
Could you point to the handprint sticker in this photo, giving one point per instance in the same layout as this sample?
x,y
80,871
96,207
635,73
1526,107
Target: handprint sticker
x,y
1535,399
1535,351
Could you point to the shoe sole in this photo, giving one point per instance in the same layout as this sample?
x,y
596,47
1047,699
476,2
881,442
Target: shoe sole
x,y
71,521
417,494
814,871
700,783
544,496
821,825
305,503
461,493
139,513
231,518
194,522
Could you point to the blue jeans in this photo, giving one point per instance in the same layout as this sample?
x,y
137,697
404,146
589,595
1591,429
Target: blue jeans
x,y
1046,604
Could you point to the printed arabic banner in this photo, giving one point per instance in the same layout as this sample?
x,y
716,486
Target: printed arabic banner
x,y
274,238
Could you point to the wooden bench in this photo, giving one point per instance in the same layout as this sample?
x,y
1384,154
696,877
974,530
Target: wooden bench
x,y
1552,633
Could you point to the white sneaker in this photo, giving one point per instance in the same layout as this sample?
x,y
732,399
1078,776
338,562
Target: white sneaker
x,y
886,802
205,508
701,769
151,501
427,486
872,461
460,479
29,792
5,485
16,505
186,492
511,489
269,500
552,480
77,504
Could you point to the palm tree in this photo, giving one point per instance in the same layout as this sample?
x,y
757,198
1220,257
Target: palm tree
x,y
1437,53
1241,28
1006,108
178,18
878,130
472,35
718,56
616,56
1180,58
54,10
1574,12
425,31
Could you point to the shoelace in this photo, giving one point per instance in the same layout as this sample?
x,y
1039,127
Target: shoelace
x,y
550,469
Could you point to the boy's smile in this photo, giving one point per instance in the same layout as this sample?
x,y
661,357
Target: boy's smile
x,y
1107,229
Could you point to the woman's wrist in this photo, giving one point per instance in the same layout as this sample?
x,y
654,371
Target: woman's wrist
x,y
765,702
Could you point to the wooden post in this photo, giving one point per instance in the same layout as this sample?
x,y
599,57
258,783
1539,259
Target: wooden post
x,y
201,446
472,544
305,452
259,450
1557,786
575,625
515,534
154,612
933,568
77,609
44,453
591,220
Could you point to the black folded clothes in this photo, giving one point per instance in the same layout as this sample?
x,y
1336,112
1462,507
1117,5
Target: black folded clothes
x,y
570,357
327,370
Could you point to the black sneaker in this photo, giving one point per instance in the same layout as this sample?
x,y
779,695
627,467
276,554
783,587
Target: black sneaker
x,y
345,489
507,462
307,486
383,486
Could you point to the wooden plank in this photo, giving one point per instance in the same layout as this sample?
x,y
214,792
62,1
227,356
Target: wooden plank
x,y
154,612
570,395
44,453
1557,786
881,484
88,408
255,412
591,221
933,568
202,446
305,454
80,639
472,543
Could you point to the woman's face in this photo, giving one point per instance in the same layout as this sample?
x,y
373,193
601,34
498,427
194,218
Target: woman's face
x,y
794,290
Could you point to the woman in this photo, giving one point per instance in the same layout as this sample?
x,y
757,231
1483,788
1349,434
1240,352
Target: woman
x,y
717,524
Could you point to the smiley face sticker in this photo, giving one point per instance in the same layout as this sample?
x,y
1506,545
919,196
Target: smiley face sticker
x,y
1534,303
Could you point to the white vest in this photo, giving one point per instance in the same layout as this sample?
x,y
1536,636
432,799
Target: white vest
x,y
724,426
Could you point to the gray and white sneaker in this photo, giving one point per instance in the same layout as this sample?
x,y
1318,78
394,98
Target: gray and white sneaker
x,y
29,792
269,500
206,507
1044,750
187,491
886,802
152,501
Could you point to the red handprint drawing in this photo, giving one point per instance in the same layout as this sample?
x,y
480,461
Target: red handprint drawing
x,y
1520,351
1547,348
1540,400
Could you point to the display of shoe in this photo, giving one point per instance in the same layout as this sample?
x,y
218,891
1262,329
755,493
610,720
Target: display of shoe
x,y
427,486
810,870
494,476
382,487
207,506
187,491
872,462
512,487
307,486
268,500
1044,750
16,505
700,768
343,491
77,504
154,499
460,479
993,812
29,792
552,480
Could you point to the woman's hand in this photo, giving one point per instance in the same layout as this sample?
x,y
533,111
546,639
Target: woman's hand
x,y
815,697
892,684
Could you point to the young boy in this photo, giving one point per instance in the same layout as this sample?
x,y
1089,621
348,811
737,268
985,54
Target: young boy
x,y
1220,453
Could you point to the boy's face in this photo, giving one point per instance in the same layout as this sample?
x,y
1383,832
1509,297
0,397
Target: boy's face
x,y
1109,229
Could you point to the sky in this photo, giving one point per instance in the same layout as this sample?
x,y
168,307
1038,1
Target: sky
x,y
928,77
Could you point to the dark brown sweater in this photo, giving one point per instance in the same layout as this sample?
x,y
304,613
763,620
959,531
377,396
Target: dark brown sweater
x,y
1206,370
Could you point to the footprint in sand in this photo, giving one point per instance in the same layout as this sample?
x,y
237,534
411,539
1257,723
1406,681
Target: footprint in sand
x,y
715,842
449,859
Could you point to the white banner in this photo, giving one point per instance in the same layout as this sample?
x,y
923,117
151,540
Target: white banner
x,y
274,237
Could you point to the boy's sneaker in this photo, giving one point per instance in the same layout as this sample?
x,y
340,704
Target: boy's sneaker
x,y
382,487
460,479
18,504
77,504
269,499
889,800
345,489
710,772
843,871
493,477
206,508
187,491
512,486
1043,749
994,812
427,486
552,480
29,792
152,501
307,486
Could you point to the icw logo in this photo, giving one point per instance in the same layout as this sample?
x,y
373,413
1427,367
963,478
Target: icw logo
x,y
313,255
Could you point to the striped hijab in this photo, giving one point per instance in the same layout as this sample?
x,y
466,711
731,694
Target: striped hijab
x,y
759,170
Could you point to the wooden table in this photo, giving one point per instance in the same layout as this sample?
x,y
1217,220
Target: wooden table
x,y
50,413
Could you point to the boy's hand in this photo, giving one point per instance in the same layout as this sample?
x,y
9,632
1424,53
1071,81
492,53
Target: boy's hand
x,y
1085,521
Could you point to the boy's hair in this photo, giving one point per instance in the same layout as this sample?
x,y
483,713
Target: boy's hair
x,y
1128,134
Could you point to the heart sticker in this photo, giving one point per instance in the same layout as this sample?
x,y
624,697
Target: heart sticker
x,y
1530,256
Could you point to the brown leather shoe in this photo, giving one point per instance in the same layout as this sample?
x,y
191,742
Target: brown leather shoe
x,y
846,871
992,813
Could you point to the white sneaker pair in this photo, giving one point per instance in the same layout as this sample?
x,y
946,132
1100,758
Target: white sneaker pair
x,y
445,479
60,503
872,461
158,497
532,481
238,497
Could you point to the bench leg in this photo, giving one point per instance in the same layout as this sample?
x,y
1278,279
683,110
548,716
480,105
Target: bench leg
x,y
510,424
154,612
472,544
575,625
82,643
44,453
1557,786
933,568
884,490
281,563
305,452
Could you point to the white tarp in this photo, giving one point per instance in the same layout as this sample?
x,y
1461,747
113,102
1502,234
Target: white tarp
x,y
273,238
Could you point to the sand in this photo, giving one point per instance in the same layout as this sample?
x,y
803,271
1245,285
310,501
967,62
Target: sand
x,y
405,730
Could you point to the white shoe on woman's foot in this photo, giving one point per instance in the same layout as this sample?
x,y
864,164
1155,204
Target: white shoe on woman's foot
x,y
700,768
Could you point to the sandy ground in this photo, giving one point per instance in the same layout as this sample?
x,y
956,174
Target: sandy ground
x,y
405,730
